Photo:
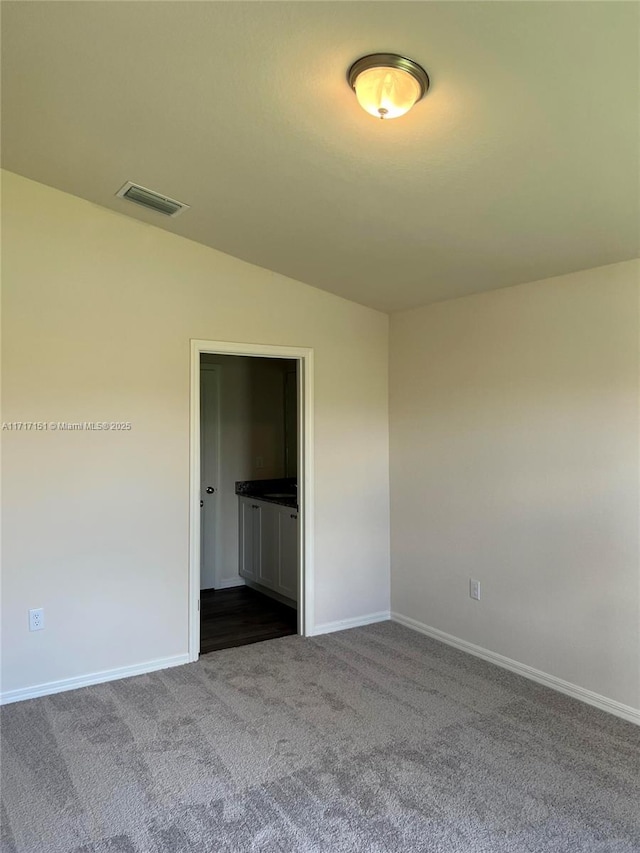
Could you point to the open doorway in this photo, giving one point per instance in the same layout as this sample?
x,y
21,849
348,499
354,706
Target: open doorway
x,y
249,500
250,519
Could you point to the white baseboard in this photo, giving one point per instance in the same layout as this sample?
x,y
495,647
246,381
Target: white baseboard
x,y
50,687
271,593
552,681
356,622
227,583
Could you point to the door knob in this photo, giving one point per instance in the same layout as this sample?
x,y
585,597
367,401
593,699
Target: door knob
x,y
201,504
210,490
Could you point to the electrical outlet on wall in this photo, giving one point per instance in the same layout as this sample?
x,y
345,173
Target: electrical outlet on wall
x,y
36,619
474,589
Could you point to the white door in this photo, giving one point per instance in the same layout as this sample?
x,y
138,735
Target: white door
x,y
209,473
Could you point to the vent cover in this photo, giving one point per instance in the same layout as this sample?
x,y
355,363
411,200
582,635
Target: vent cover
x,y
151,200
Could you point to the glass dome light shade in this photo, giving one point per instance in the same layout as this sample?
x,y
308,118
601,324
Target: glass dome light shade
x,y
387,85
387,92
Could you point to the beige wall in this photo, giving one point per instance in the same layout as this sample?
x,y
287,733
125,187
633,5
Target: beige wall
x,y
98,311
514,451
266,413
514,461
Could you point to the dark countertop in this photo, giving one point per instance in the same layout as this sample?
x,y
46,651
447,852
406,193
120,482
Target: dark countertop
x,y
283,491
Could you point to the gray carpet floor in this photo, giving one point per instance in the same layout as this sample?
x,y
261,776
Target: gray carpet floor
x,y
374,739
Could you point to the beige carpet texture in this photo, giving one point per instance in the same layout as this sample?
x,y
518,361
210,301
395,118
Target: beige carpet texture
x,y
375,739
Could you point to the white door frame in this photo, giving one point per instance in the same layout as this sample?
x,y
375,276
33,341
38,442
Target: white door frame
x,y
304,357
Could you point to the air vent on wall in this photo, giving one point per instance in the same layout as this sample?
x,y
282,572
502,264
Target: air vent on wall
x,y
151,200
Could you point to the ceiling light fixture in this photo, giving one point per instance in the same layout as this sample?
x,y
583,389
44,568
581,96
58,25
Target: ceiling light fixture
x,y
387,85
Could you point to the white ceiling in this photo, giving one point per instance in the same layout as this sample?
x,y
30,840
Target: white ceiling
x,y
521,163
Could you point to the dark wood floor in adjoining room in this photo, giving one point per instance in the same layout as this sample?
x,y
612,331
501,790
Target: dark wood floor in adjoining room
x,y
239,616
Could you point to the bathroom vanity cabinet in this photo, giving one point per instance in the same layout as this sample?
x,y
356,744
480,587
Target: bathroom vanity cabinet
x,y
268,546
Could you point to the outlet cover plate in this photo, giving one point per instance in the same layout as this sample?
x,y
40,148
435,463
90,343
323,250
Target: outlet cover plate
x,y
36,619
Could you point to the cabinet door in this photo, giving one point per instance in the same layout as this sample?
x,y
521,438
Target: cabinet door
x,y
267,574
256,511
246,520
288,563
